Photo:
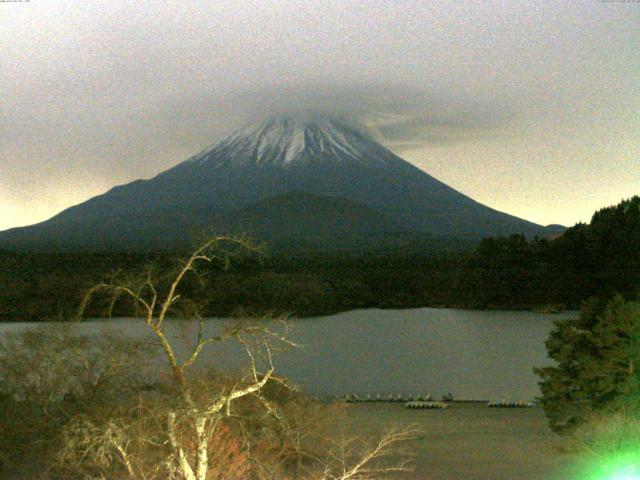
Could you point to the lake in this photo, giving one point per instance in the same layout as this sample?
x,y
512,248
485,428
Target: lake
x,y
480,355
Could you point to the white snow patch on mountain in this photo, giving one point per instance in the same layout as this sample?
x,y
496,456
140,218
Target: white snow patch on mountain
x,y
287,140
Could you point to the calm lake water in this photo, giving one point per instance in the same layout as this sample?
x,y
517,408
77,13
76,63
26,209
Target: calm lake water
x,y
482,355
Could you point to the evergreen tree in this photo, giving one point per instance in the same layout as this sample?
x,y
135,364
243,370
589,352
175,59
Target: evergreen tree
x,y
598,363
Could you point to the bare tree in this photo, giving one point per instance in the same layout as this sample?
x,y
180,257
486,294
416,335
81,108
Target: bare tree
x,y
351,459
199,410
202,412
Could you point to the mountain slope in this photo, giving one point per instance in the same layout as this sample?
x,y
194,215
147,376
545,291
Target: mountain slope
x,y
314,154
300,219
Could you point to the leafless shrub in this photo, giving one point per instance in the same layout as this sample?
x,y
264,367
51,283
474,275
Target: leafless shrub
x,y
352,458
45,366
355,459
48,376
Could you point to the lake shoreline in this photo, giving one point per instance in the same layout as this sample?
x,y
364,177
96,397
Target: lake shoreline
x,y
546,310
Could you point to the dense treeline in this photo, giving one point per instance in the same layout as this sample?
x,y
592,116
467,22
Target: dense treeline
x,y
50,286
590,393
598,259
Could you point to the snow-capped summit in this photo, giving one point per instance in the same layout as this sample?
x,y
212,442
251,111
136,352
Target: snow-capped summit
x,y
296,139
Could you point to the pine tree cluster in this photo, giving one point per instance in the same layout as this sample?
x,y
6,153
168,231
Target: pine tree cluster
x,y
598,364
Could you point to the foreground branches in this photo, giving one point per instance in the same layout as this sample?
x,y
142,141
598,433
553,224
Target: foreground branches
x,y
201,413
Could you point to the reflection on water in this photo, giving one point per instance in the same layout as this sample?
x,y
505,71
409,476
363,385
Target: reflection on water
x,y
472,354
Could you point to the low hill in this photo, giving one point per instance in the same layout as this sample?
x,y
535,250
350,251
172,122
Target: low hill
x,y
301,220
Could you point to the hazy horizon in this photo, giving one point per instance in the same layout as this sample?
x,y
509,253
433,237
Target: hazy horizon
x,y
531,109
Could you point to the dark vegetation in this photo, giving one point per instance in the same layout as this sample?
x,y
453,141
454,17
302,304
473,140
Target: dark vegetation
x,y
601,258
592,392
597,364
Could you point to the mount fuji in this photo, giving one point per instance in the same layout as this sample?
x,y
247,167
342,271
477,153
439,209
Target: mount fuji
x,y
312,179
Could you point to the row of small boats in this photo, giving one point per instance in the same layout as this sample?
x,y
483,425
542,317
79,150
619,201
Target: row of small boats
x,y
505,404
501,404
427,401
354,398
427,405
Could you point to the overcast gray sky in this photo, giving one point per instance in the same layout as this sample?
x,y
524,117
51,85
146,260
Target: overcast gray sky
x,y
531,107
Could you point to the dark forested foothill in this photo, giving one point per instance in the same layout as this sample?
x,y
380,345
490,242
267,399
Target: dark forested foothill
x,y
601,258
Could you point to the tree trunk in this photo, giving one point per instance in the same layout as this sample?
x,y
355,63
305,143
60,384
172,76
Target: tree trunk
x,y
183,463
202,458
